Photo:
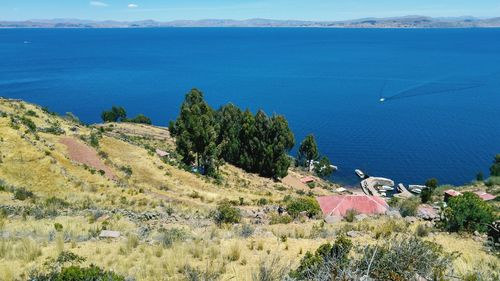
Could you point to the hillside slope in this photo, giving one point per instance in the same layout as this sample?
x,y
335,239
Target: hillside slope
x,y
62,183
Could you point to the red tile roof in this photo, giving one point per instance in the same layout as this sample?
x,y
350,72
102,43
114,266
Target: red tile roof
x,y
485,196
307,179
161,153
338,205
452,192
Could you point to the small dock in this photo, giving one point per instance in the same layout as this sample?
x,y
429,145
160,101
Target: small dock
x,y
404,193
368,185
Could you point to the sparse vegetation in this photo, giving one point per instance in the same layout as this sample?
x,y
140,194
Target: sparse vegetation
x,y
408,207
165,216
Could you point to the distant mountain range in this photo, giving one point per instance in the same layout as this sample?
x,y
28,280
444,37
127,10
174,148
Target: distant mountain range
x,y
397,22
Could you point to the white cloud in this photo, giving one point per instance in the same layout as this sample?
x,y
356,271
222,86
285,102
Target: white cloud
x,y
98,4
133,6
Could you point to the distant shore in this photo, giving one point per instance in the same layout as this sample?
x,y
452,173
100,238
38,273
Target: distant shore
x,y
396,22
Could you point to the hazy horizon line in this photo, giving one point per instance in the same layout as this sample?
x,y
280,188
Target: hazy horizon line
x,y
253,18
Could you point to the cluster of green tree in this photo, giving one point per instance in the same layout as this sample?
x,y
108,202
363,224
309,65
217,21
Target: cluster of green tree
x,y
256,143
308,155
401,258
119,114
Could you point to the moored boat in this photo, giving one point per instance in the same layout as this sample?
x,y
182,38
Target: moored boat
x,y
360,173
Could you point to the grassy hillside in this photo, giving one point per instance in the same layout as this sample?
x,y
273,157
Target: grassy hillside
x,y
55,170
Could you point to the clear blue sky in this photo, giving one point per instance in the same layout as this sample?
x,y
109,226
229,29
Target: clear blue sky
x,y
242,9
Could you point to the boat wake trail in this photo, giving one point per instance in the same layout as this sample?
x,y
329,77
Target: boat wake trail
x,y
439,86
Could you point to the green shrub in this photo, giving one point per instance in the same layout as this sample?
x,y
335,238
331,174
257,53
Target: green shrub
x,y
408,207
77,273
3,186
127,170
262,202
388,228
468,213
140,119
480,176
327,255
197,274
426,194
422,230
56,202
303,204
394,202
493,181
28,123
171,235
271,269
280,219
22,194
432,183
31,113
94,140
351,215
225,213
246,230
116,114
495,167
58,227
404,258
65,257
72,117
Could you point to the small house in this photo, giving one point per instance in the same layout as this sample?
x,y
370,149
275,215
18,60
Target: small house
x,y
485,196
451,193
307,180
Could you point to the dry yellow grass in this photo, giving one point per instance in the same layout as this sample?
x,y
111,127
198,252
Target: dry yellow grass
x,y
40,163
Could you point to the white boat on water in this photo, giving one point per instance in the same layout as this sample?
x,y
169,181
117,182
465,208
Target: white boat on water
x,y
386,188
383,194
416,188
360,173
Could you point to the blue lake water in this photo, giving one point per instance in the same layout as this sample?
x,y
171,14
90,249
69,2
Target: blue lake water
x,y
441,117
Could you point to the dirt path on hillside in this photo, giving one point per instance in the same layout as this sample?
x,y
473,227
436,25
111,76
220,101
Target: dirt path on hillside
x,y
84,154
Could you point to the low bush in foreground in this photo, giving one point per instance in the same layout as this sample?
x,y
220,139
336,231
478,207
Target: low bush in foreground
x,y
400,258
77,273
65,268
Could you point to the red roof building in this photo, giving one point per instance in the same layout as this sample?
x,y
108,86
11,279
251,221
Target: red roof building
x,y
452,192
485,196
307,180
161,153
338,205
